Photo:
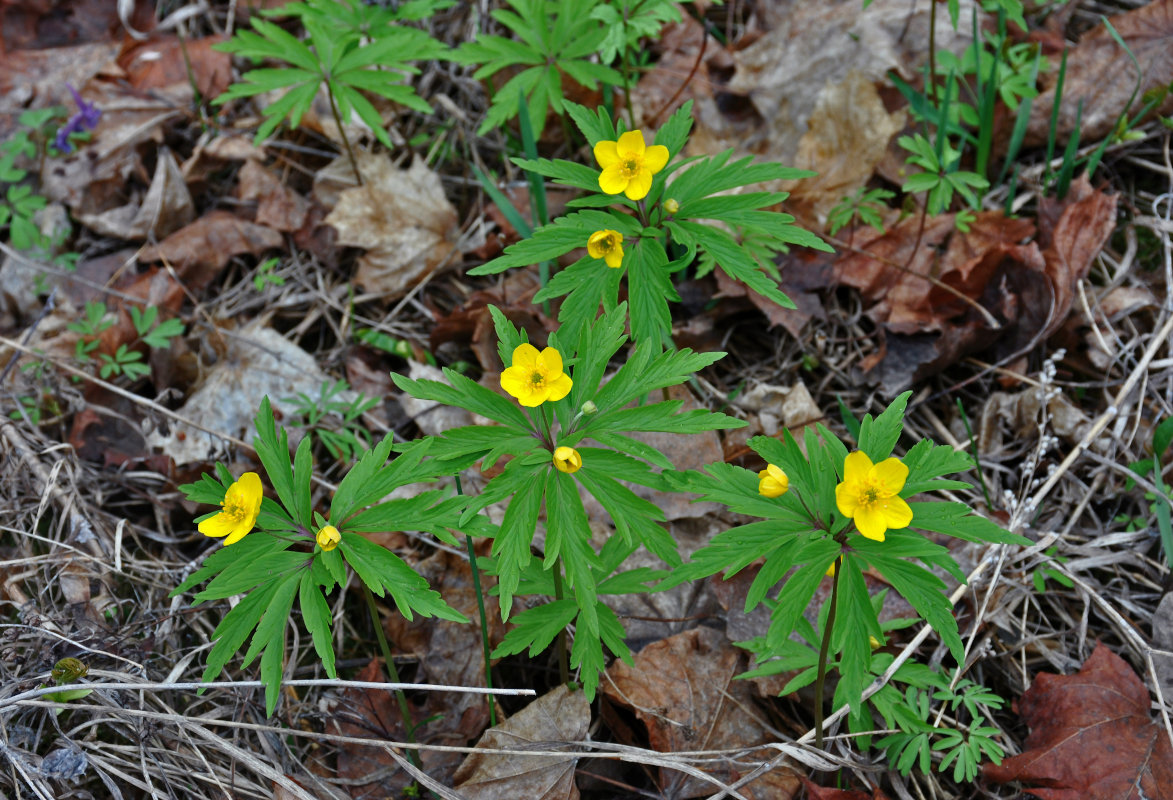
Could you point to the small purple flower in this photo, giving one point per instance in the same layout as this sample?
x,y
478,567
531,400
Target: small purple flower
x,y
86,118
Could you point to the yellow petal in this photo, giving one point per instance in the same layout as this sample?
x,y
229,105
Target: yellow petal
x,y
560,387
869,520
897,513
856,467
631,144
846,498
515,380
615,257
593,248
530,398
656,158
606,153
525,355
551,359
611,179
639,186
777,474
238,533
891,474
218,526
251,493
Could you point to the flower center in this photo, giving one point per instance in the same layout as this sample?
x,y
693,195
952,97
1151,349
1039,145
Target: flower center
x,y
630,168
869,496
605,244
234,509
537,379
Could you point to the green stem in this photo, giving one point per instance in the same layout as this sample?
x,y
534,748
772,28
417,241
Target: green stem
x,y
342,133
476,583
563,669
392,672
932,87
821,680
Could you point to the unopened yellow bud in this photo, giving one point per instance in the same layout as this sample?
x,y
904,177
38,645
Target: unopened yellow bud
x,y
328,538
671,206
874,642
772,481
589,408
567,459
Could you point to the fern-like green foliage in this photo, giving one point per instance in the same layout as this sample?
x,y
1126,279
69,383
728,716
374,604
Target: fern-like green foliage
x,y
554,39
280,562
350,48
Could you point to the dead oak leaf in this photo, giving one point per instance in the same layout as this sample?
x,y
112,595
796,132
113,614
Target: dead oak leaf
x,y
1091,738
1100,75
548,723
402,219
683,690
200,250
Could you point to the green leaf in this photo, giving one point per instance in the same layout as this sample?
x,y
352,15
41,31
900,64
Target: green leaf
x,y
568,535
467,394
386,573
535,628
674,133
733,260
878,437
252,567
273,451
921,588
1162,436
649,290
595,126
237,624
511,547
957,519
316,615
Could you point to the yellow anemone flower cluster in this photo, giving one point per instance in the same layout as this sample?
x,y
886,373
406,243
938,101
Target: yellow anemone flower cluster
x,y
870,495
567,459
242,504
772,481
535,377
607,245
629,164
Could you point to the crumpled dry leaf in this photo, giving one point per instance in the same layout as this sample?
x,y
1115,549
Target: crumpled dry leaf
x,y
1102,76
402,219
816,792
811,45
683,690
167,207
370,714
549,722
200,250
259,362
278,206
1016,416
431,417
1092,737
847,136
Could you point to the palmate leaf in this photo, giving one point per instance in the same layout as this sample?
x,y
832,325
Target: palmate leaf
x,y
957,519
732,258
568,534
386,573
467,394
511,546
649,368
649,290
535,628
315,612
587,656
558,238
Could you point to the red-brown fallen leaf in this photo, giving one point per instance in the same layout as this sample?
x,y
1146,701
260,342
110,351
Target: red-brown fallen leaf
x,y
371,714
681,73
278,206
200,250
1101,76
816,792
1092,737
682,690
163,62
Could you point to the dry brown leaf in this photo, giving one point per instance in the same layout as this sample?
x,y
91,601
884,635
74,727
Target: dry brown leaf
x,y
278,206
200,250
547,723
678,75
167,207
846,137
816,792
683,690
1092,737
812,45
402,219
369,714
1101,76
165,64
259,362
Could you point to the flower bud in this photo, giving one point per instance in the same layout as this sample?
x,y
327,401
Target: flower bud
x,y
328,538
873,642
567,459
589,408
671,206
772,481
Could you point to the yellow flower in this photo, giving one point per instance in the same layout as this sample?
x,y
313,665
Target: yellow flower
x,y
242,503
772,481
869,494
628,164
536,377
567,460
328,538
607,245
